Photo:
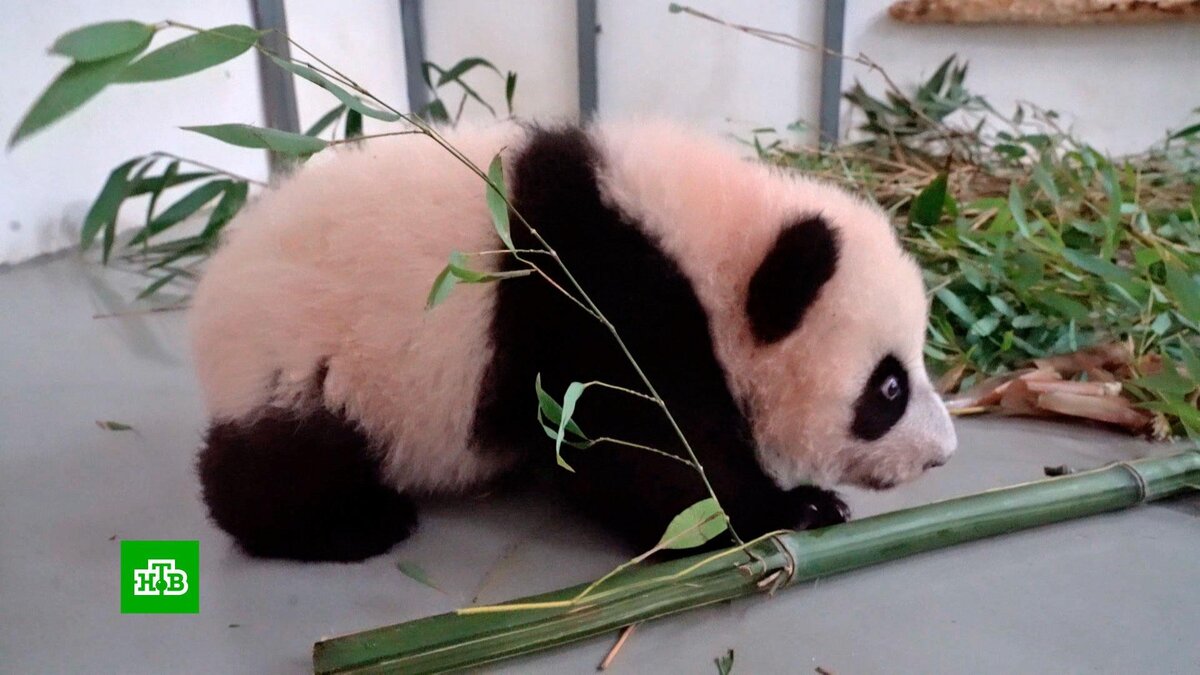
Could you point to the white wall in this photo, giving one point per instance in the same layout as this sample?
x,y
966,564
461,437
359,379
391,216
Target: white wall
x,y
362,39
534,38
652,62
48,182
1121,86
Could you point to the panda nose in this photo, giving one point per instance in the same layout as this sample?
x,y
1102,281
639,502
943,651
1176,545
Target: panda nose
x,y
934,464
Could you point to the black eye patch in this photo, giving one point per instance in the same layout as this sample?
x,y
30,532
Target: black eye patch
x,y
790,277
882,401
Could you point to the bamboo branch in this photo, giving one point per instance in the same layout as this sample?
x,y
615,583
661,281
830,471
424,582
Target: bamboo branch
x,y
453,641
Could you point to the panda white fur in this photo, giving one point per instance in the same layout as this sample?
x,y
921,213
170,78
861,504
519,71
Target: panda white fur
x,y
777,316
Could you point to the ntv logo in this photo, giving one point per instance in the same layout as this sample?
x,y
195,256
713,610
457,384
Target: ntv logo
x,y
160,577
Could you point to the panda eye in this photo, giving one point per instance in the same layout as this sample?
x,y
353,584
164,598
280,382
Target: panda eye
x,y
883,400
890,388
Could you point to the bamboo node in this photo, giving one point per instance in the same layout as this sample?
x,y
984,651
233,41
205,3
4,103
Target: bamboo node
x,y
1143,488
789,567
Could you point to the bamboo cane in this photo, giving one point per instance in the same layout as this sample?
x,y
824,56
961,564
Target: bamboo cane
x,y
460,640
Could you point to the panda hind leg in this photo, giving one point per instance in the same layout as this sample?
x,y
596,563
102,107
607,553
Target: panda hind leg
x,y
302,486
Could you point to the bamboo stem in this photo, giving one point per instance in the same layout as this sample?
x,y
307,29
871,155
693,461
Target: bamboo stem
x,y
616,648
452,641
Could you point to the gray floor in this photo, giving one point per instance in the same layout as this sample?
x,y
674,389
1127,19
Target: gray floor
x,y
1117,593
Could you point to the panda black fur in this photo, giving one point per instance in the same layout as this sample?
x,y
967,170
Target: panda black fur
x,y
335,397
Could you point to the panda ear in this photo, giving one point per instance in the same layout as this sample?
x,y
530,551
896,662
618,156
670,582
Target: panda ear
x,y
790,278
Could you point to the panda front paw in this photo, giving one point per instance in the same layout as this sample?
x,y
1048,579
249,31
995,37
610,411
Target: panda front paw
x,y
819,508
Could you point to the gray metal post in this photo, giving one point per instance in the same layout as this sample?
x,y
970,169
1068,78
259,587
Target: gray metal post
x,y
831,71
585,37
412,23
278,89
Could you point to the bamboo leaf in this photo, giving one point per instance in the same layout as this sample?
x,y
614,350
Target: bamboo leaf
x,y
247,136
167,176
427,66
1161,323
436,112
186,206
550,408
552,434
459,269
1063,305
1167,380
956,306
1028,270
1191,359
1001,305
180,248
463,67
1016,207
417,573
110,425
574,391
191,54
354,124
349,100
1009,150
1098,266
326,120
157,284
497,201
928,206
1046,182
510,88
1185,290
72,88
725,663
1173,404
157,183
475,95
462,104
985,326
442,285
100,41
173,246
104,210
110,227
1185,132
695,525
937,80
232,201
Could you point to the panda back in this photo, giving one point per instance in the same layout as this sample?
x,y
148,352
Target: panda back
x,y
329,274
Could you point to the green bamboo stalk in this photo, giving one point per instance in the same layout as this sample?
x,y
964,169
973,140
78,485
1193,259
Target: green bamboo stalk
x,y
460,640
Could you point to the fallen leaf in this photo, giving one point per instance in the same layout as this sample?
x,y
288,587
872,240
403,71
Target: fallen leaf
x,y
1111,409
417,573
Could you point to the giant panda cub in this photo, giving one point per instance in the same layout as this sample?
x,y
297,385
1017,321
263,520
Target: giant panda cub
x,y
777,316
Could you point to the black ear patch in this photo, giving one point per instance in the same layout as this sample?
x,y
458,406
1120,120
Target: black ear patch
x,y
790,277
882,401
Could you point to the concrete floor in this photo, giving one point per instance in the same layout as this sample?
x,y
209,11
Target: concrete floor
x,y
1116,593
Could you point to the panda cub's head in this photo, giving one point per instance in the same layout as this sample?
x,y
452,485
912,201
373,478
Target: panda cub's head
x,y
817,315
837,310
